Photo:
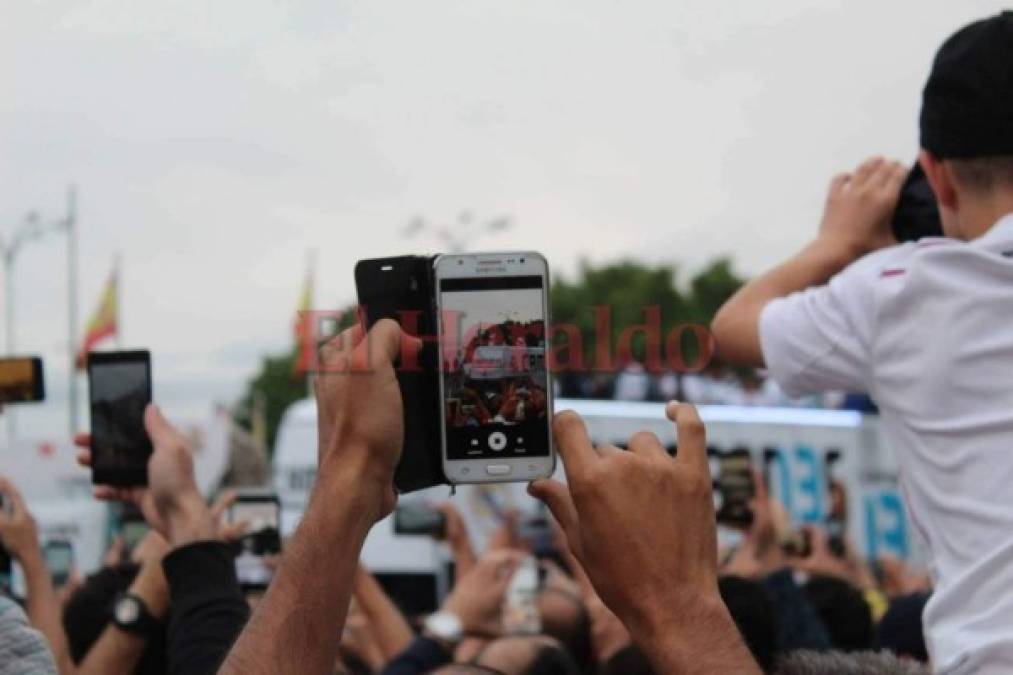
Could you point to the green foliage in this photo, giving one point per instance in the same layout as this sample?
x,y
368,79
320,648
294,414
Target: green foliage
x,y
627,288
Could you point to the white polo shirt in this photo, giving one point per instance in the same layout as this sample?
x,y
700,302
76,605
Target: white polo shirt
x,y
927,330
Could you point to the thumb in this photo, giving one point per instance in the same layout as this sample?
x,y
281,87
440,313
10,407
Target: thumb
x,y
557,497
158,428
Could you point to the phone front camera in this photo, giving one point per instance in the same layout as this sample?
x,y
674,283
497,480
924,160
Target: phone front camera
x,y
522,261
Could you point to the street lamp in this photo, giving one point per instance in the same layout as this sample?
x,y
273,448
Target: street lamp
x,y
33,228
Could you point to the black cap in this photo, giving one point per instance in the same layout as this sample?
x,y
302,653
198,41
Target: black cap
x,y
967,104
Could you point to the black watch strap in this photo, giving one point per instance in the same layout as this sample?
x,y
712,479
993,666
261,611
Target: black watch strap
x,y
141,621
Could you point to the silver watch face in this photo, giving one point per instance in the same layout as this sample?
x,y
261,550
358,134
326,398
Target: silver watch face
x,y
127,611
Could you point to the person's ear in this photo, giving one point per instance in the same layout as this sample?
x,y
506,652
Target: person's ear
x,y
940,178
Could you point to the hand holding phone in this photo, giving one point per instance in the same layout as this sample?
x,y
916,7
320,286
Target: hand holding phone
x,y
59,555
119,385
261,515
492,316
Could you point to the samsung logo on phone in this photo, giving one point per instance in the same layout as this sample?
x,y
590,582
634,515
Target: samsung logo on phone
x,y
498,268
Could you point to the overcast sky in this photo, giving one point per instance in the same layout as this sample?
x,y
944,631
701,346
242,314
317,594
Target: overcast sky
x,y
215,142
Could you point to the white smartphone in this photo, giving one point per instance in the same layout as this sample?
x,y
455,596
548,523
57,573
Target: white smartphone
x,y
520,607
495,386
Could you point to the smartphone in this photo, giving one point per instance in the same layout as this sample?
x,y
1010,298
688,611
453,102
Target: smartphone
x,y
736,488
837,506
492,315
401,288
21,380
6,563
133,528
414,519
536,533
119,386
520,607
59,555
261,511
917,212
798,543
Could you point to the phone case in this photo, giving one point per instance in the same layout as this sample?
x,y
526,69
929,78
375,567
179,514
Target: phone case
x,y
402,289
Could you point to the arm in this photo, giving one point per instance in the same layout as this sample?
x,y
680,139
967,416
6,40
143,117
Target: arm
x,y
389,627
116,650
660,578
295,627
456,537
207,609
856,220
18,533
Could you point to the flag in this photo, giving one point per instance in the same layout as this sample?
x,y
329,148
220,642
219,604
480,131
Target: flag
x,y
303,328
104,322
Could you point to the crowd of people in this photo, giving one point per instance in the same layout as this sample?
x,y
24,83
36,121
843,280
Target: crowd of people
x,y
635,581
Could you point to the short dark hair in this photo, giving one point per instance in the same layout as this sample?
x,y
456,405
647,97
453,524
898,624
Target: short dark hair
x,y
844,611
900,630
983,174
752,610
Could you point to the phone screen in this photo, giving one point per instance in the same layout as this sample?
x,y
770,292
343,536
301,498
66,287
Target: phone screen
x,y
520,608
21,380
494,373
737,489
261,538
59,560
120,390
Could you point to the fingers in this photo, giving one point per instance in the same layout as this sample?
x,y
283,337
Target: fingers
x,y
159,429
224,501
839,182
84,458
691,435
646,444
867,169
573,444
760,486
388,342
334,353
82,440
11,492
556,497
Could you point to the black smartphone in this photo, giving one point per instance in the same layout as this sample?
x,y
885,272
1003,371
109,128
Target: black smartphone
x,y
5,557
736,488
21,380
261,512
837,506
917,212
133,528
119,385
59,555
416,519
401,288
536,532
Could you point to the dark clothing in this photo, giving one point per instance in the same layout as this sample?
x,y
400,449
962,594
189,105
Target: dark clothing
x,y
798,624
421,656
207,609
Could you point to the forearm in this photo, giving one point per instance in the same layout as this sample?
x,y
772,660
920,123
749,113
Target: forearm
x,y
736,325
116,650
391,630
295,628
43,609
700,638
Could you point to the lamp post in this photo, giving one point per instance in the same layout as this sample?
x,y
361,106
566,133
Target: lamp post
x,y
32,228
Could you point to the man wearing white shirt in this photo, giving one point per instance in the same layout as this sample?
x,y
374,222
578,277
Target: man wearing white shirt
x,y
927,329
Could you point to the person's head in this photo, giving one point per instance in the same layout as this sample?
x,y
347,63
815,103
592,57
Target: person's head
x,y
843,610
753,612
565,618
967,127
900,629
526,655
89,610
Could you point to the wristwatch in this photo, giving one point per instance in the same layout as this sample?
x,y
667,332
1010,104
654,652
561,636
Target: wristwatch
x,y
445,627
131,615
